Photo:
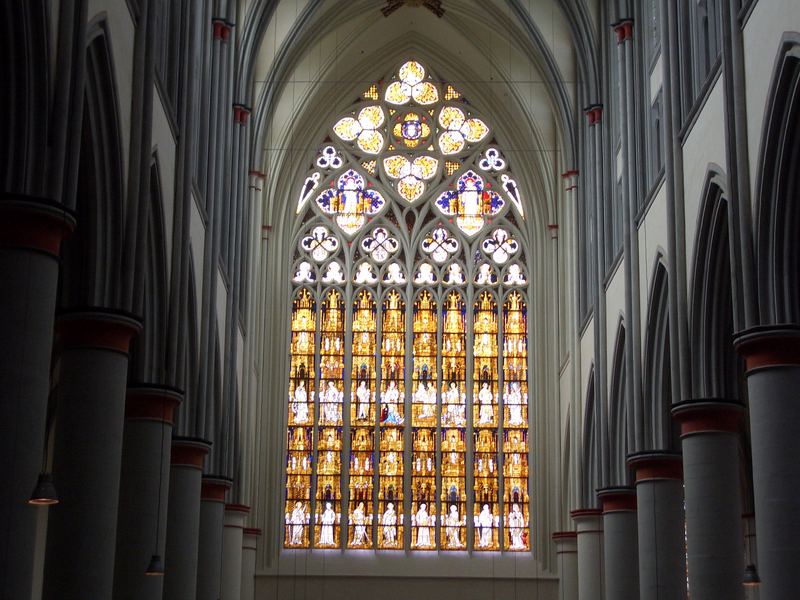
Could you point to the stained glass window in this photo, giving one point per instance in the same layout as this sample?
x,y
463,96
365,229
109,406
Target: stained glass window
x,y
408,419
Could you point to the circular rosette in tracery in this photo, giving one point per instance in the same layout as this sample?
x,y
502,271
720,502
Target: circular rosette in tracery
x,y
410,175
411,129
440,245
458,130
363,129
350,201
319,243
500,246
379,245
410,85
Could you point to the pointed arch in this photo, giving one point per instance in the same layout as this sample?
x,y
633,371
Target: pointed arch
x,y
592,470
713,297
658,386
92,254
618,433
778,187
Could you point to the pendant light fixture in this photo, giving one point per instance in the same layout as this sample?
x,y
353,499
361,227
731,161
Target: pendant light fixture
x,y
156,566
44,494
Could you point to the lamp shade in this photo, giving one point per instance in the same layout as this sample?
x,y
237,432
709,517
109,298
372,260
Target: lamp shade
x,y
751,578
156,566
44,494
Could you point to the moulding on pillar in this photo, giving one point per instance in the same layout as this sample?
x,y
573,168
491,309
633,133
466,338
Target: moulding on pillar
x,y
214,487
594,114
148,402
708,415
617,499
222,29
189,452
624,30
31,223
235,514
241,113
97,328
252,531
769,345
584,517
656,464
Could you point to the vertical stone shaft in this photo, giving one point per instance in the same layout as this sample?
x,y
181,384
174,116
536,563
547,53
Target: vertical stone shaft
x,y
209,551
232,537
183,518
90,415
712,489
144,489
567,556
249,547
620,543
661,530
589,527
31,231
772,354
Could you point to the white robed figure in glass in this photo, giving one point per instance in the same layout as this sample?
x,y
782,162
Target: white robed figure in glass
x,y
516,522
300,403
360,530
362,395
453,528
298,520
331,400
486,414
423,526
326,532
514,403
389,522
485,522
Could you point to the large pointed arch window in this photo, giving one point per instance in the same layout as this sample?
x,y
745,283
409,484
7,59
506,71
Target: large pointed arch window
x,y
408,380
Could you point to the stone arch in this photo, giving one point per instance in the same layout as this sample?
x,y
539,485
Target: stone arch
x,y
713,297
90,275
778,186
659,431
591,472
618,434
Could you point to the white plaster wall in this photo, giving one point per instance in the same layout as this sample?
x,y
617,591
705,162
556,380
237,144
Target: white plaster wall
x,y
762,39
704,145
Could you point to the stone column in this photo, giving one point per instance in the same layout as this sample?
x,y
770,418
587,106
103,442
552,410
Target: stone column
x,y
659,506
144,488
209,552
712,490
567,556
589,528
620,543
232,537
183,517
90,414
249,547
31,231
772,355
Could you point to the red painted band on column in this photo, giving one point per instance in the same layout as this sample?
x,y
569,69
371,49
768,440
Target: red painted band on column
x,y
710,420
568,174
617,500
188,454
241,508
766,347
649,468
585,513
99,330
152,404
255,532
26,224
213,490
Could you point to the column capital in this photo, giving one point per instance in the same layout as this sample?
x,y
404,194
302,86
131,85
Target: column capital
x,y
656,464
252,531
97,328
152,402
708,415
769,345
594,114
587,520
222,29
31,223
235,515
213,488
566,542
624,30
617,499
189,452
241,113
